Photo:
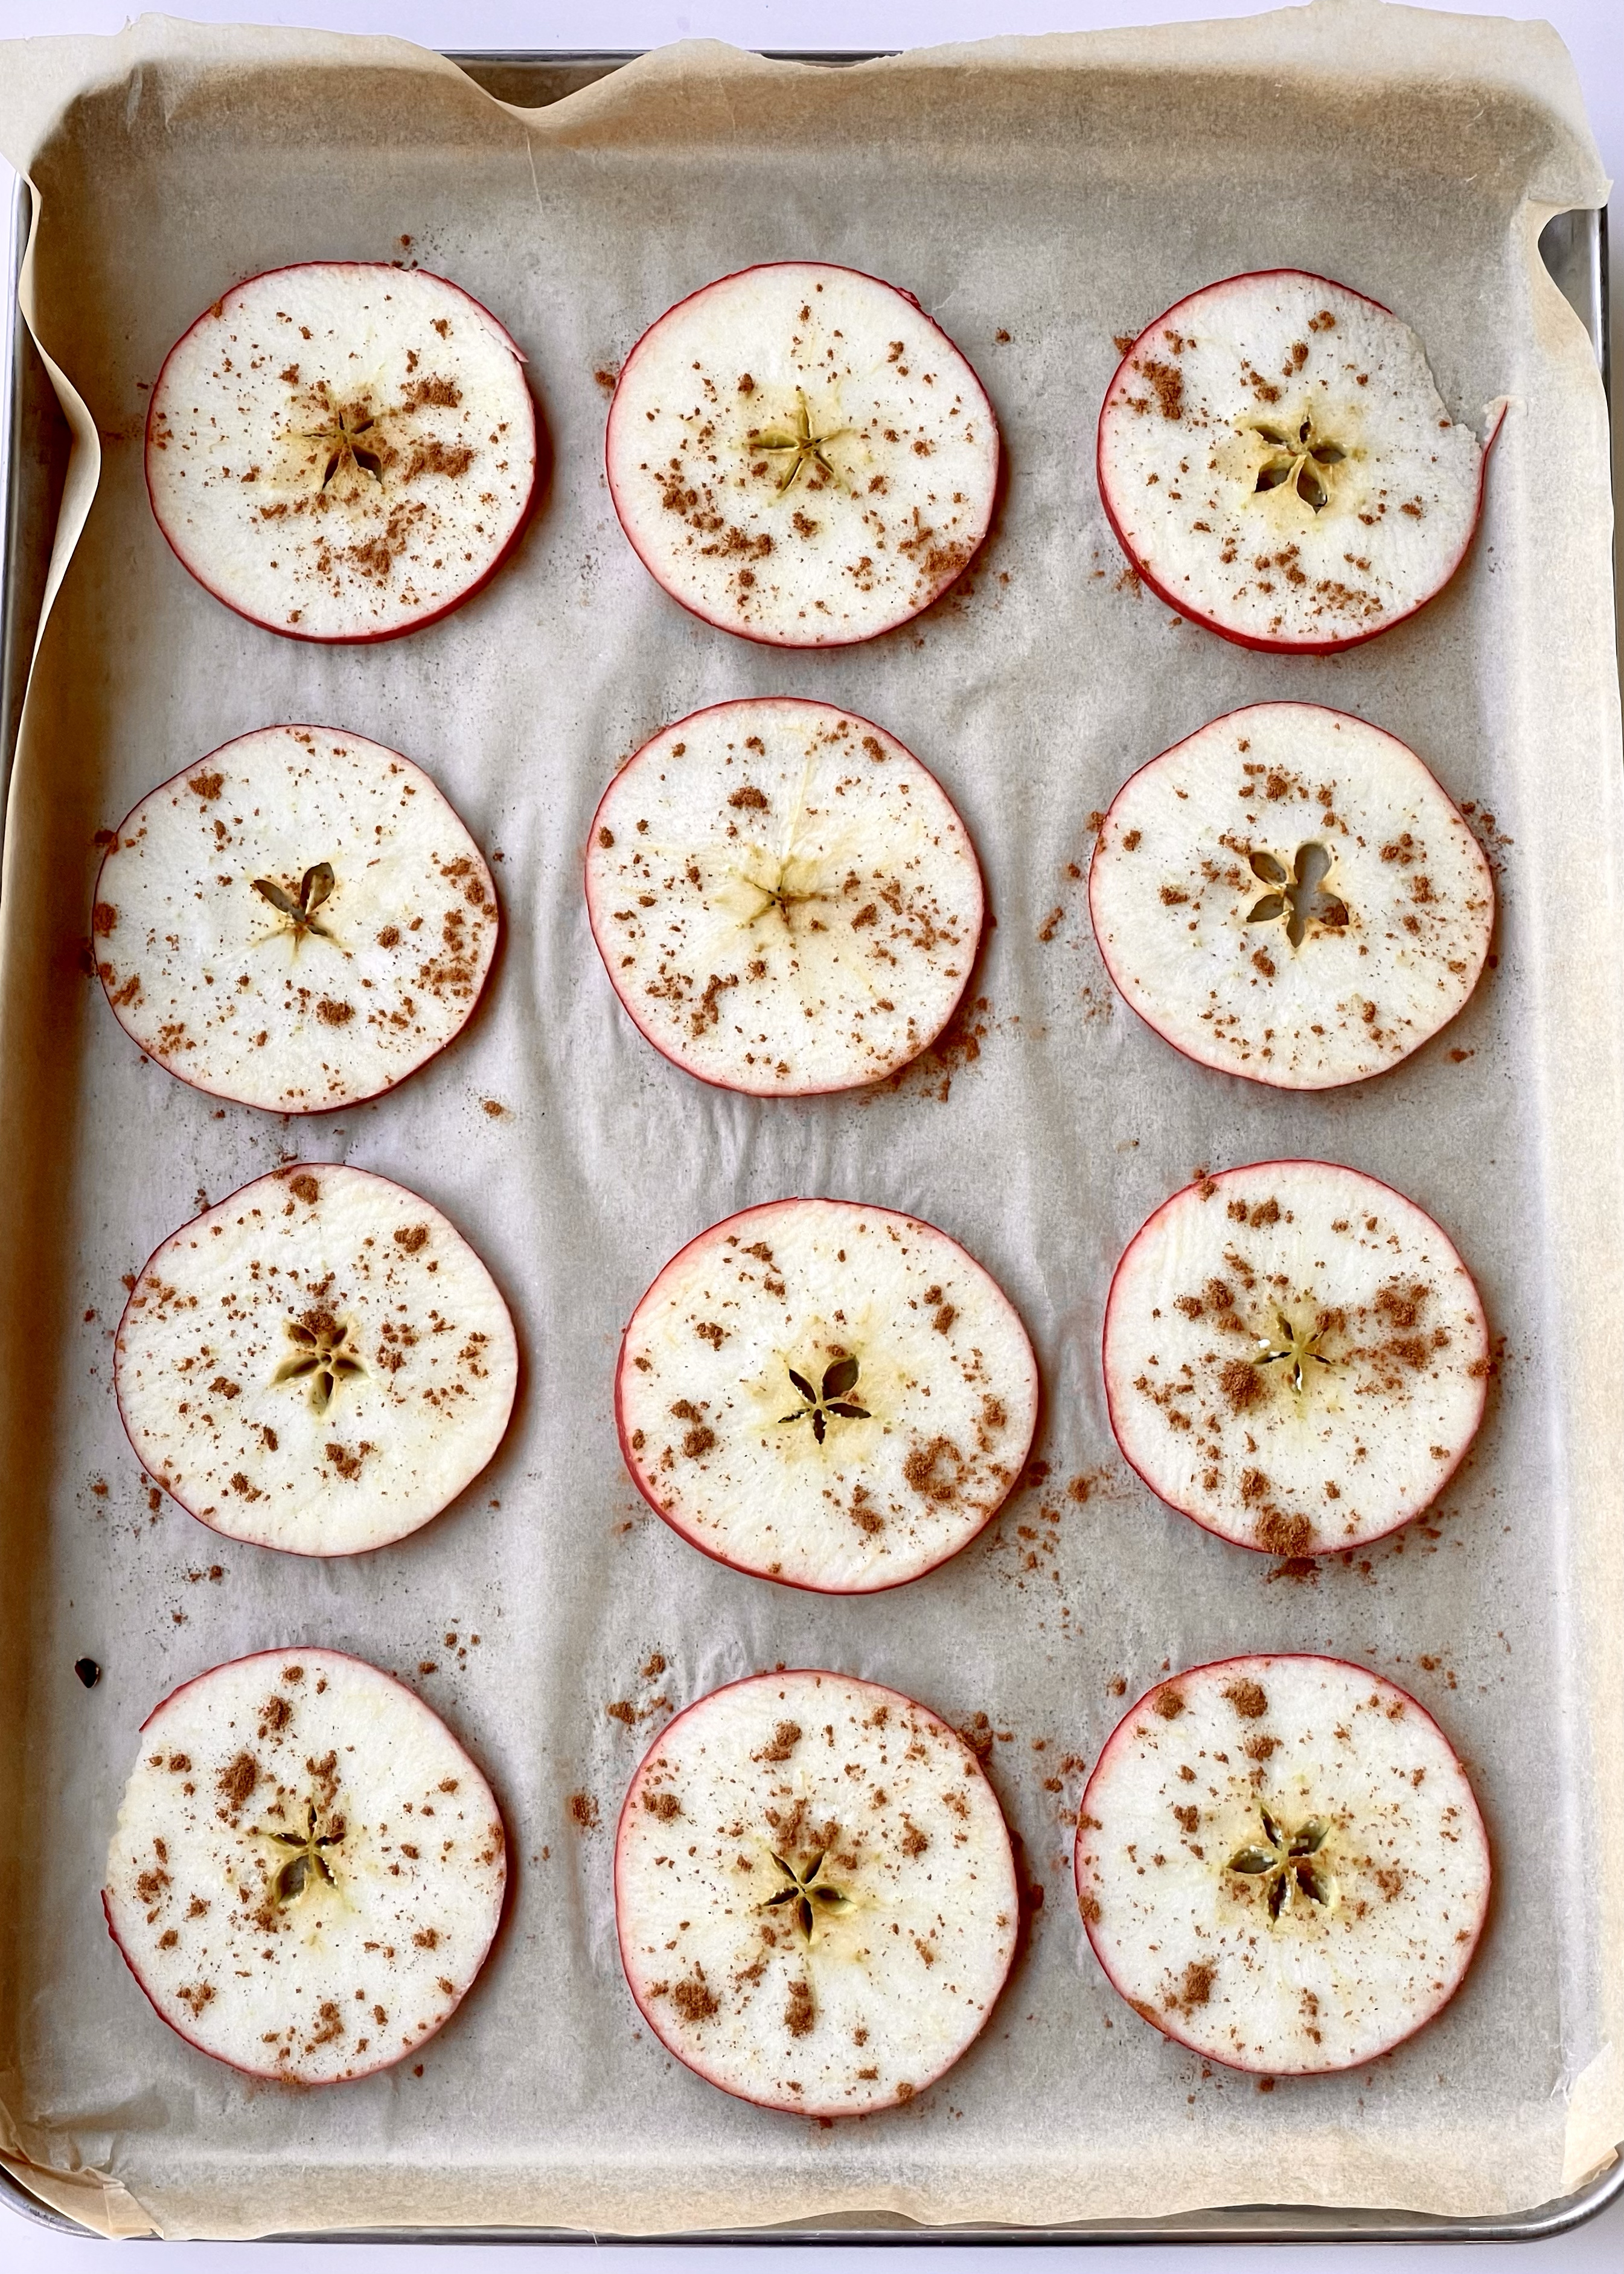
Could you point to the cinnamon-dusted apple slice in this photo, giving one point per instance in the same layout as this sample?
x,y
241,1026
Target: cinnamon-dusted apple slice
x,y
784,897
307,1870
341,450
1318,1870
1275,459
1294,1356
814,1893
799,454
831,1395
298,922
1289,895
320,1363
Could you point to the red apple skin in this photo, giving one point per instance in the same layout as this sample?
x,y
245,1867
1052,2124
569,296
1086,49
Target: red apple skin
x,y
794,1673
1251,1660
769,639
277,2076
345,639
1193,615
302,726
601,942
315,1554
800,1586
1219,1065
1253,1169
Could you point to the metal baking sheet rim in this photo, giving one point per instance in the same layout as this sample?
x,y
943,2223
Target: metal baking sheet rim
x,y
1575,249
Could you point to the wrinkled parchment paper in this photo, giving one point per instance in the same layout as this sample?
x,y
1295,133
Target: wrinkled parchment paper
x,y
1039,197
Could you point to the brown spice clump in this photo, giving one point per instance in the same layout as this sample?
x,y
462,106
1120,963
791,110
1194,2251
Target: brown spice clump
x,y
304,1187
666,1806
797,2012
237,1780
924,1470
1248,1698
1280,1534
1170,1704
583,1811
695,2000
1241,1383
786,1737
1195,1989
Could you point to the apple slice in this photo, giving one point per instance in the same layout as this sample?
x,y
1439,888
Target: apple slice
x,y
297,923
307,1870
1294,1356
1319,1873
814,1893
785,899
828,1394
321,1363
1277,464
799,454
343,450
1289,895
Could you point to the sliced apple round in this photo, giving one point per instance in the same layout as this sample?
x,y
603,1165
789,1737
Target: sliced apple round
x,y
321,1363
307,1870
1289,896
785,899
341,450
814,1893
1294,1356
1318,1870
297,923
1276,461
799,455
828,1394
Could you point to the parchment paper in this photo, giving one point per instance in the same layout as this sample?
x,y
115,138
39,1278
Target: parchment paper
x,y
1039,197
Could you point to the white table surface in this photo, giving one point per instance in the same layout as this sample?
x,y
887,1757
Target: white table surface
x,y
1594,31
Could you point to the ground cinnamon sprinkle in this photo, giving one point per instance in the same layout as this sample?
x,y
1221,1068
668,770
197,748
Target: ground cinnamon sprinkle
x,y
583,1811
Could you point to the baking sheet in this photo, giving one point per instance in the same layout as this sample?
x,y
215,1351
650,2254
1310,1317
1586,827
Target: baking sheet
x,y
1061,191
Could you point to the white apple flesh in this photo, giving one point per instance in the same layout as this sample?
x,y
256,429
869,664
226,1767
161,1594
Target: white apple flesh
x,y
320,1363
341,450
307,1870
785,899
1294,1355
799,455
298,922
1289,896
828,1394
814,1894
1317,1870
1277,463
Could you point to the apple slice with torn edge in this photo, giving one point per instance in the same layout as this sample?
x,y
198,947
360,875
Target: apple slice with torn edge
x,y
307,1870
343,450
1289,896
320,1363
814,1893
785,899
1277,463
1318,1870
1294,1356
799,455
297,923
828,1394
